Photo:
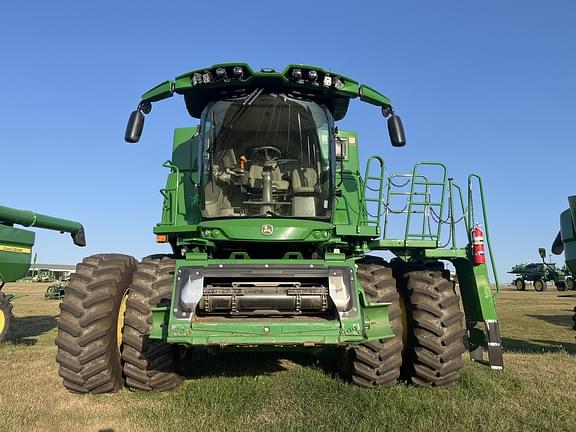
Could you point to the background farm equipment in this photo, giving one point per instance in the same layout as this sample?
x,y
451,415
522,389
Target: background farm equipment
x,y
270,226
39,277
541,273
16,250
57,290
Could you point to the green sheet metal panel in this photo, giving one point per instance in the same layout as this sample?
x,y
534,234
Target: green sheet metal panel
x,y
569,239
15,252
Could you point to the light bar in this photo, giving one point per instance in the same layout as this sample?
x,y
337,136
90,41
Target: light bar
x,y
315,77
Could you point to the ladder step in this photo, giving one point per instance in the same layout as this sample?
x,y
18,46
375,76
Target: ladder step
x,y
408,193
392,211
432,204
422,236
430,183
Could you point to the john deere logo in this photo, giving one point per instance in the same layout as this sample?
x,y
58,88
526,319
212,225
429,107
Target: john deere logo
x,y
267,229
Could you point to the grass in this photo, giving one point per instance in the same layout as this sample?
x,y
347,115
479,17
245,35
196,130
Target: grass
x,y
267,392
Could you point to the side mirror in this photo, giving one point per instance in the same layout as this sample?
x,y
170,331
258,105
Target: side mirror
x,y
134,127
396,131
557,244
542,252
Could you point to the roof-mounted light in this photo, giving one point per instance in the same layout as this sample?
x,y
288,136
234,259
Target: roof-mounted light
x,y
327,81
313,75
297,74
206,77
338,83
221,73
196,78
238,71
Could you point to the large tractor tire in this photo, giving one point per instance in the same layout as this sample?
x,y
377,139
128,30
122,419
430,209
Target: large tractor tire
x,y
149,364
539,285
570,283
561,286
90,324
378,362
520,284
433,356
5,316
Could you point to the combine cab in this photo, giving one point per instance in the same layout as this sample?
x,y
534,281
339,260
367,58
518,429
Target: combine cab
x,y
16,250
272,230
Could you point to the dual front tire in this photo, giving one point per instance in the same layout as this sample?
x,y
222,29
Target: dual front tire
x,y
104,322
428,325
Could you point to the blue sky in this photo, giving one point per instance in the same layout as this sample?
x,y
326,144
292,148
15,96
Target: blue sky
x,y
486,87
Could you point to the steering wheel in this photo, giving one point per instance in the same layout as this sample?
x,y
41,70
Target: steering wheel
x,y
267,150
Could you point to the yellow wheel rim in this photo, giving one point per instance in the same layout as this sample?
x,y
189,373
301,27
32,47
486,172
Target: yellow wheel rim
x,y
404,319
2,321
121,317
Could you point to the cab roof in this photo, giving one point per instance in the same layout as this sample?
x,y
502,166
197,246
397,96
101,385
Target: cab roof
x,y
226,80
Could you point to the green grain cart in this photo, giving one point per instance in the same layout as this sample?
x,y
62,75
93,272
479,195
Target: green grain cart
x,y
272,231
16,250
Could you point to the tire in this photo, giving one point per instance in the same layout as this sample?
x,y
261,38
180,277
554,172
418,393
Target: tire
x,y
561,286
149,364
539,285
436,330
520,284
376,363
87,338
5,316
570,283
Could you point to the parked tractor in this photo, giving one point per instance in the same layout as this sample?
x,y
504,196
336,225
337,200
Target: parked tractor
x,y
57,290
565,241
16,250
273,233
541,273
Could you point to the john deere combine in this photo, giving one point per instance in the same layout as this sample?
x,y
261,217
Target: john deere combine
x,y
565,241
271,226
16,249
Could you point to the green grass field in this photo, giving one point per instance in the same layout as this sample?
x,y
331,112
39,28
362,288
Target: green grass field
x,y
264,392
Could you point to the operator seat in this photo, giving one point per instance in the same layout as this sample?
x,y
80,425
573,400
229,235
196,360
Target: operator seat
x,y
304,181
255,178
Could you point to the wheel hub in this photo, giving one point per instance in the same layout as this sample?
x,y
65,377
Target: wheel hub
x,y
121,317
2,321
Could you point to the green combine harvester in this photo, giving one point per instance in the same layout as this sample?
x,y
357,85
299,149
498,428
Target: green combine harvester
x,y
565,241
16,250
271,227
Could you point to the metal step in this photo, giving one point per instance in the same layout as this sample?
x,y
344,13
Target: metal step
x,y
493,347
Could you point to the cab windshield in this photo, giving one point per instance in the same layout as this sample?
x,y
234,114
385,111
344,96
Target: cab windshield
x,y
267,155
